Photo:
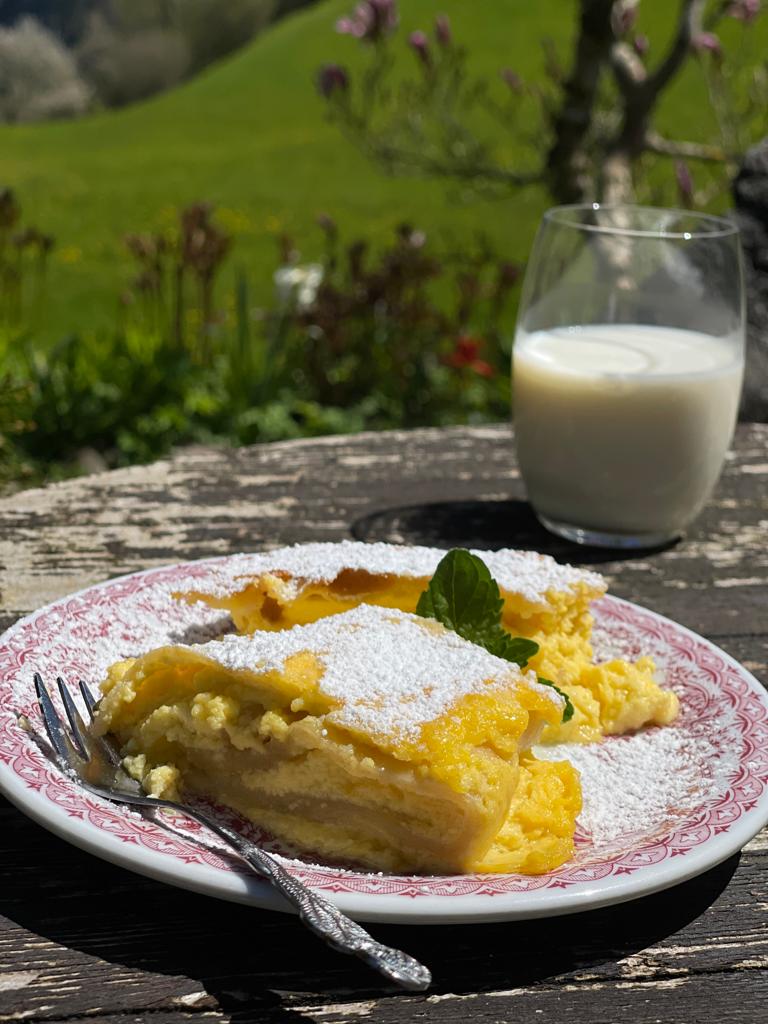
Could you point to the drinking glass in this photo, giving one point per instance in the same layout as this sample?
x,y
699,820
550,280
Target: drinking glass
x,y
627,369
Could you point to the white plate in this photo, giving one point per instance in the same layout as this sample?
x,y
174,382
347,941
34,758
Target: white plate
x,y
722,739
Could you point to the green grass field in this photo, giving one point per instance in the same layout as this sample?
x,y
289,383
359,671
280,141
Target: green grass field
x,y
251,136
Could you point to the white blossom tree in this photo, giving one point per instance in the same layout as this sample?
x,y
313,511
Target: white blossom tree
x,y
39,77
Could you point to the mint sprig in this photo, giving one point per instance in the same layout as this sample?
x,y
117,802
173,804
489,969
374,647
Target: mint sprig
x,y
464,597
568,709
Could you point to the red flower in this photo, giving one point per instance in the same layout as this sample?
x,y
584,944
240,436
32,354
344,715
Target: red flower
x,y
465,355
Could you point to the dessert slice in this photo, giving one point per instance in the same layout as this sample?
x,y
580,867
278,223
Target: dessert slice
x,y
543,600
373,735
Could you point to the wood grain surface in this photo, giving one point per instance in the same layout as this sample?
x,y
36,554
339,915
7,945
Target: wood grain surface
x,y
81,940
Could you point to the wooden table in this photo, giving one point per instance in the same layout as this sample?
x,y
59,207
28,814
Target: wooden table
x,y
81,939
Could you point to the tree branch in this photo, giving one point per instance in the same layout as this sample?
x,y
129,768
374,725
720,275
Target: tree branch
x,y
640,92
616,177
567,164
628,70
689,23
422,163
656,143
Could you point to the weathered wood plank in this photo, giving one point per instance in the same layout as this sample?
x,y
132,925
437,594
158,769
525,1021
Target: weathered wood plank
x,y
751,651
442,487
74,927
675,1001
140,1016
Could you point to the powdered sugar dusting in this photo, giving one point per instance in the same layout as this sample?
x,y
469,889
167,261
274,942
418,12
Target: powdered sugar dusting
x,y
526,573
643,783
81,637
390,671
614,640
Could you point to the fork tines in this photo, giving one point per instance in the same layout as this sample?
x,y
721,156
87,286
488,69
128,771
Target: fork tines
x,y
60,741
77,742
76,724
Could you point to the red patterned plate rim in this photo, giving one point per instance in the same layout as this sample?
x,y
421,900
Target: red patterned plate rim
x,y
713,687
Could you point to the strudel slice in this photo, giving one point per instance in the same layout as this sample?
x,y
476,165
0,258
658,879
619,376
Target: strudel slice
x,y
543,600
373,735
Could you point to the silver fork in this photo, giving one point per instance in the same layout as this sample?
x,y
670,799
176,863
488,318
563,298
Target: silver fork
x,y
95,763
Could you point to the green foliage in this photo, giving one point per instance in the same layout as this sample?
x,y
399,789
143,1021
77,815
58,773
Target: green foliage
x,y
24,253
361,339
14,405
211,28
130,398
132,49
377,327
265,155
269,159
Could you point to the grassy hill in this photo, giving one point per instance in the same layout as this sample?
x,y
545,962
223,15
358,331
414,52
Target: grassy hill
x,y
250,135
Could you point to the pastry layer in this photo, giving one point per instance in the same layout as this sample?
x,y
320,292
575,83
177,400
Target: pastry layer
x,y
544,601
372,735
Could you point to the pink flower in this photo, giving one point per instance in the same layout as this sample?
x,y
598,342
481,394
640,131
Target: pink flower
x,y
641,44
744,10
420,46
371,20
443,30
624,18
707,42
684,182
332,78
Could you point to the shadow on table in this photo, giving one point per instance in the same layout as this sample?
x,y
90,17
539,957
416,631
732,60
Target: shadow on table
x,y
258,965
481,524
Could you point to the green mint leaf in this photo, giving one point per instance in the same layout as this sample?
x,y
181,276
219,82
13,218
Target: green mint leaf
x,y
464,597
514,648
568,712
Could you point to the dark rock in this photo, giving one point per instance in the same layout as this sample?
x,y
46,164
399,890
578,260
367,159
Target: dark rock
x,y
750,193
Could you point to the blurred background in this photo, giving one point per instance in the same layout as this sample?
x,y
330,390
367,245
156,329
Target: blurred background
x,y
266,219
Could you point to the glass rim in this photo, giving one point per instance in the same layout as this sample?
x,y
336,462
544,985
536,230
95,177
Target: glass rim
x,y
716,227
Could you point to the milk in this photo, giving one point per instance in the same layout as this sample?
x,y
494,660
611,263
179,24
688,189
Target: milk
x,y
623,428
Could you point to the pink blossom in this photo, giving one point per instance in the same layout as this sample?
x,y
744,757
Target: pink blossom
x,y
371,20
420,46
641,44
707,41
624,18
744,10
684,182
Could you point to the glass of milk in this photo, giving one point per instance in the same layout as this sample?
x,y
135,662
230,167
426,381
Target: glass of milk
x,y
627,369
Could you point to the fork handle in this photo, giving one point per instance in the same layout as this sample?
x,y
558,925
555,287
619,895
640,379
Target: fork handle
x,y
319,914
